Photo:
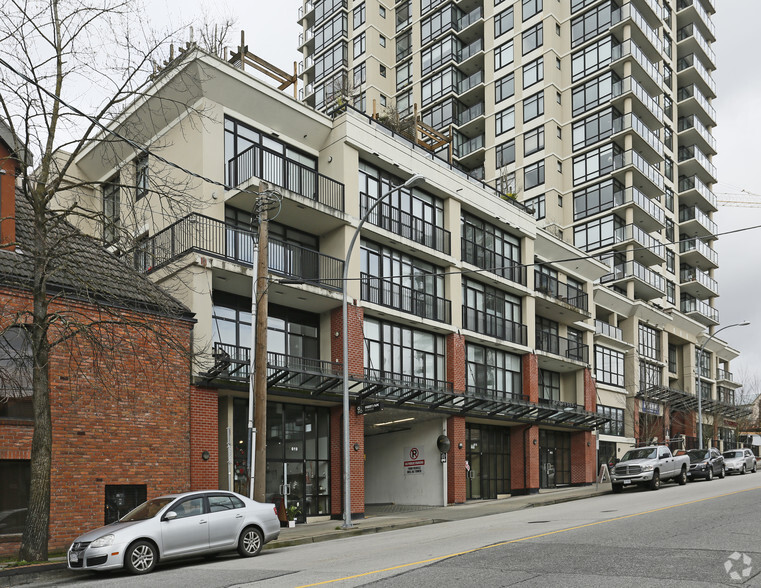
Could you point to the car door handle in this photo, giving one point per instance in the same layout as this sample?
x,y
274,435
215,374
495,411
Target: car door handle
x,y
238,516
202,522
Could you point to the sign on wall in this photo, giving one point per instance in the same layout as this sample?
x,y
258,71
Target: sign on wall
x,y
413,461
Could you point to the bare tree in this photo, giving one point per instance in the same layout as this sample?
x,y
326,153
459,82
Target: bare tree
x,y
69,71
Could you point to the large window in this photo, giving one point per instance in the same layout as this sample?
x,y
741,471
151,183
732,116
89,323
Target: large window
x,y
360,44
533,72
15,374
503,55
141,176
359,16
597,198
503,22
589,25
438,85
597,233
335,28
594,128
533,106
533,175
506,153
504,87
593,93
331,60
493,312
649,342
609,366
533,141
491,248
616,424
593,164
504,120
111,222
439,53
438,23
493,371
591,59
531,7
392,350
14,495
533,38
549,385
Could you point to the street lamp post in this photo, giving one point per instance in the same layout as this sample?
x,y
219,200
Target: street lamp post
x,y
413,181
698,390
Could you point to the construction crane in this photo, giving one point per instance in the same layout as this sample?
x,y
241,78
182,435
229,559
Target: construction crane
x,y
743,198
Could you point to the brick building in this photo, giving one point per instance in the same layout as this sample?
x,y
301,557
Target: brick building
x,y
126,423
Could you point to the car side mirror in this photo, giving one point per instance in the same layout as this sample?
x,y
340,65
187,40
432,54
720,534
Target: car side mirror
x,y
171,515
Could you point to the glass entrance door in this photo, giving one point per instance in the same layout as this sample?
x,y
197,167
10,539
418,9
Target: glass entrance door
x,y
488,455
473,469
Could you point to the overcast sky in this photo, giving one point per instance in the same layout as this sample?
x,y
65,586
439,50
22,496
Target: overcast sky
x,y
272,33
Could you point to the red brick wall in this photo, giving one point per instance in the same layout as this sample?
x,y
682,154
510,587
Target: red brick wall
x,y
7,198
122,419
456,482
357,462
590,391
456,362
530,377
524,459
204,474
582,458
356,339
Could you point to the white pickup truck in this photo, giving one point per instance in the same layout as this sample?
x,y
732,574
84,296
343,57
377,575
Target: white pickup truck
x,y
649,466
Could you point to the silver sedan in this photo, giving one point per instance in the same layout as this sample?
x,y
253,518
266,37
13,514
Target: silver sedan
x,y
739,461
174,526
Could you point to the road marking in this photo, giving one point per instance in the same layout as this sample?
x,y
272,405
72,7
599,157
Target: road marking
x,y
440,557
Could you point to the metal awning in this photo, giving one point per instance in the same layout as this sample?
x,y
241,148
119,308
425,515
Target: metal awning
x,y
680,400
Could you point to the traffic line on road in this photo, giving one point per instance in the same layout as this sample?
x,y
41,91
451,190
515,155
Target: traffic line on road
x,y
502,543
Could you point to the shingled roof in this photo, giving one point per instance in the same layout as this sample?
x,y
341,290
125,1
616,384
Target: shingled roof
x,y
80,267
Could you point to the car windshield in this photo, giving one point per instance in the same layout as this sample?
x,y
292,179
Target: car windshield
x,y
697,455
732,454
147,510
644,453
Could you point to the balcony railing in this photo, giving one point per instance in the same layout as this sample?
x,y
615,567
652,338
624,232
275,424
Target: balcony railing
x,y
260,162
603,328
467,52
629,84
562,346
494,326
394,295
633,122
471,113
470,146
694,183
699,246
724,375
693,122
726,395
630,157
692,61
649,206
629,47
694,213
634,269
471,81
473,16
212,237
488,259
634,233
406,225
554,288
682,4
692,91
627,11
692,31
693,151
690,304
692,274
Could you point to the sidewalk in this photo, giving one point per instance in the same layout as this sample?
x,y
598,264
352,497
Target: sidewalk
x,y
378,518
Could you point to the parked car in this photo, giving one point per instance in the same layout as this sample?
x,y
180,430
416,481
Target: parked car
x,y
649,466
705,463
739,461
174,526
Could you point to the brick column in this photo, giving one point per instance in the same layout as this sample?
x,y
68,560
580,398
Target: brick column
x,y
524,460
456,491
357,463
530,368
635,423
356,339
456,360
204,436
667,422
582,458
590,391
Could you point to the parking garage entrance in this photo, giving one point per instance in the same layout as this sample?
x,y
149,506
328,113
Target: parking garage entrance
x,y
488,461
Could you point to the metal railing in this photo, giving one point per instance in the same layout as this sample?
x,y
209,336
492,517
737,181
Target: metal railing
x,y
633,122
471,113
494,326
634,233
628,11
691,30
554,288
487,258
724,375
690,304
272,167
468,19
693,151
682,4
603,328
692,274
643,202
694,183
469,51
406,225
629,84
399,297
630,157
688,213
692,91
691,60
206,235
471,81
634,269
562,346
629,47
470,146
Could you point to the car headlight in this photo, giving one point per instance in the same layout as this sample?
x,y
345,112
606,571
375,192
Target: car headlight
x,y
647,468
104,541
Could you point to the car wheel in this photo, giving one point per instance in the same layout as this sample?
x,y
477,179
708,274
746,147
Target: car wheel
x,y
722,473
655,483
753,471
742,470
250,542
682,477
617,488
709,476
141,557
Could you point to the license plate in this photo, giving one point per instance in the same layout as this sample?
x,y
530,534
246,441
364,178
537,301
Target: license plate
x,y
627,482
73,557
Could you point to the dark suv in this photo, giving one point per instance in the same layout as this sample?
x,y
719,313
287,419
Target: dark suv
x,y
705,463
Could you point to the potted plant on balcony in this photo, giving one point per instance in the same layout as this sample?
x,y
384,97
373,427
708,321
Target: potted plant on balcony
x,y
291,512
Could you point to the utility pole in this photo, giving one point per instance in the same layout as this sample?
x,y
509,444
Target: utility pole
x,y
260,362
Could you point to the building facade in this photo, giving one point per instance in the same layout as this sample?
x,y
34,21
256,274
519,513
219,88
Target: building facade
x,y
598,116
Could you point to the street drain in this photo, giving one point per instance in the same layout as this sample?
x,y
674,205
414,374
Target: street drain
x,y
533,522
614,510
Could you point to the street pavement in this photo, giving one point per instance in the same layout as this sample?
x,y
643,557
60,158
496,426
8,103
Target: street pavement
x,y
378,518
